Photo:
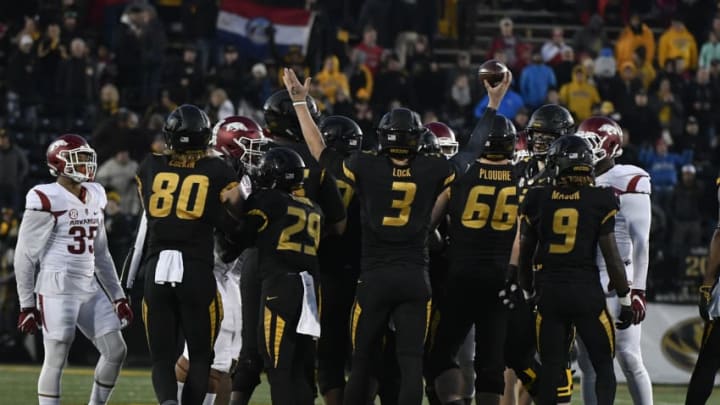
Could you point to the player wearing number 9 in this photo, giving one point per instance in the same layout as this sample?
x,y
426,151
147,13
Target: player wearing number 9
x,y
482,207
397,188
184,195
63,232
561,226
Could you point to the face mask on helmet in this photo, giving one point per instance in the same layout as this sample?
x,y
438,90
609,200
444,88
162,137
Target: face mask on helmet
x,y
78,164
541,142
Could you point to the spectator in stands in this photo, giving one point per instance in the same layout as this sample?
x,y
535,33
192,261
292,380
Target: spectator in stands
x,y
685,212
662,167
535,81
579,95
155,42
50,53
563,70
119,227
521,119
626,84
553,49
13,170
604,70
257,87
130,47
22,93
669,108
116,134
199,19
710,51
118,173
509,44
669,72
645,69
509,106
372,53
460,103
76,82
105,66
230,73
642,121
70,29
463,67
219,106
677,42
109,103
331,79
591,38
701,101
343,104
553,97
634,35
392,83
360,76
691,140
419,57
365,117
186,76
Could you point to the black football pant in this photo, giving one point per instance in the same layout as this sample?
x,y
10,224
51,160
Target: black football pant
x,y
402,295
337,292
469,302
247,373
288,356
561,306
707,366
192,309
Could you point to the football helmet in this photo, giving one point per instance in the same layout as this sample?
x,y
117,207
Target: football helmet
x,y
500,144
399,133
521,147
70,155
429,143
341,133
239,138
281,168
446,138
280,116
546,124
604,135
570,155
187,128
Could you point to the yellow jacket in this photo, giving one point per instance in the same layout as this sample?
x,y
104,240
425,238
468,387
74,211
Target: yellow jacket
x,y
678,44
579,96
332,80
628,41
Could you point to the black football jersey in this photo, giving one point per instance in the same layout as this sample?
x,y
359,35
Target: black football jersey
x,y
338,252
395,203
483,211
568,223
529,174
319,185
287,231
182,203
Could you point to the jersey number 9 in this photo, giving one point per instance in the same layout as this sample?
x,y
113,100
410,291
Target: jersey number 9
x,y
565,222
189,203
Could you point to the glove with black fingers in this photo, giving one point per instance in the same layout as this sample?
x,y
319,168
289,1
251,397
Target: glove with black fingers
x,y
704,301
511,295
124,312
626,312
638,304
29,320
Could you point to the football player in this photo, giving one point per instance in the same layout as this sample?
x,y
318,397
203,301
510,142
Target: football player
x,y
63,232
561,226
240,141
339,270
397,188
282,129
185,195
286,229
631,184
446,138
482,207
708,362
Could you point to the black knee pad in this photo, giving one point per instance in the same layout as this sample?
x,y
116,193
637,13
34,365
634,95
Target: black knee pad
x,y
247,373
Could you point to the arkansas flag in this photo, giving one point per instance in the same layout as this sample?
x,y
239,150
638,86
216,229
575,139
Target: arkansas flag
x,y
244,23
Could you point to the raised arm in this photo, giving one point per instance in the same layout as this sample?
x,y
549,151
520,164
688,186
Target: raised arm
x,y
298,94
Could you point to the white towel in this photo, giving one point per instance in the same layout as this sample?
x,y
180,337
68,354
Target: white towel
x,y
169,267
714,308
309,323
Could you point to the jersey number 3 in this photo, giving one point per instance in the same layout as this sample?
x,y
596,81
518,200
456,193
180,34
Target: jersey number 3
x,y
408,191
190,201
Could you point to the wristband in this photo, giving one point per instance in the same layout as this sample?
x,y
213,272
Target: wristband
x,y
297,103
625,301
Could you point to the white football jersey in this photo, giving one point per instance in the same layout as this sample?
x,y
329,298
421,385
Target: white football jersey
x,y
67,264
623,179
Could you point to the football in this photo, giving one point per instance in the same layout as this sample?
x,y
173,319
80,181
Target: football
x,y
493,71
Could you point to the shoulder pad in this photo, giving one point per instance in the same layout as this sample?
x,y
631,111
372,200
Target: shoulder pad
x,y
45,197
625,179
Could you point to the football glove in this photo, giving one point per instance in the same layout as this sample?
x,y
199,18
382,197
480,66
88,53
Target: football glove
x,y
704,302
29,320
638,305
511,295
124,312
626,313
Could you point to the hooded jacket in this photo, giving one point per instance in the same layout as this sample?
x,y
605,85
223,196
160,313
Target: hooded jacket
x,y
579,96
333,80
678,44
629,40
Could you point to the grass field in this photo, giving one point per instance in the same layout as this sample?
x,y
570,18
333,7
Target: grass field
x,y
18,387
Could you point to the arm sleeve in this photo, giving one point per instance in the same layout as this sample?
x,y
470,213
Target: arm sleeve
x,y
475,146
35,229
331,201
334,162
105,267
638,211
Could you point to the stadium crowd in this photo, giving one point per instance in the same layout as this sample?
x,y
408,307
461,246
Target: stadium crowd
x,y
113,70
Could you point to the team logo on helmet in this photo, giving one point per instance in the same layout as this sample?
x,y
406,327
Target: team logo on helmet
x,y
236,126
